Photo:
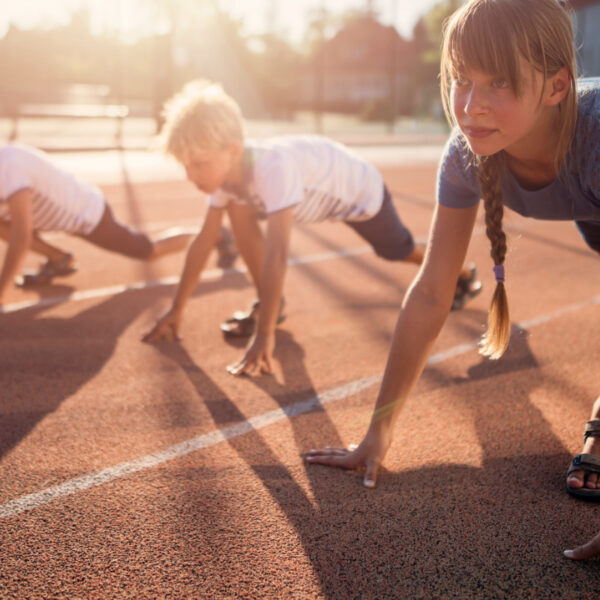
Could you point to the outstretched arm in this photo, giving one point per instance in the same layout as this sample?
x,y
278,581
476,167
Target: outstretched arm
x,y
259,353
167,327
424,311
19,238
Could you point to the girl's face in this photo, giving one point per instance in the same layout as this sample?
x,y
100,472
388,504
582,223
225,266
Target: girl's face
x,y
209,170
492,117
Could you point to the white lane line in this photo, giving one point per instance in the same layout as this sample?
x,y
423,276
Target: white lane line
x,y
174,279
533,322
88,294
171,280
201,442
79,484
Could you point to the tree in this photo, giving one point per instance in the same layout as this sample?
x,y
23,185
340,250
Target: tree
x,y
275,66
427,38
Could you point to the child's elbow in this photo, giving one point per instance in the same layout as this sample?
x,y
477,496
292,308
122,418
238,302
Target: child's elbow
x,y
432,298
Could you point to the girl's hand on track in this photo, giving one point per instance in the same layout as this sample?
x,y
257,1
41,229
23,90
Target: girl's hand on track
x,y
368,456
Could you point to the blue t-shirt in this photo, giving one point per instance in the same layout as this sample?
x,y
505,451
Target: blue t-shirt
x,y
573,195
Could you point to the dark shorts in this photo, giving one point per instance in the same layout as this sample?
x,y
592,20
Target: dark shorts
x,y
590,232
112,235
385,232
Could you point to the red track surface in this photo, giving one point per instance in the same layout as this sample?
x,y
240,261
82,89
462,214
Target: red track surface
x,y
471,504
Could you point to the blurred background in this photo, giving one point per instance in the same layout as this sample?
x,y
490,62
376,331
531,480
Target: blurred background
x,y
95,73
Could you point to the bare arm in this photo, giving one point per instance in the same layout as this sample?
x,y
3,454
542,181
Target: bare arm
x,y
19,239
258,356
167,327
424,311
279,228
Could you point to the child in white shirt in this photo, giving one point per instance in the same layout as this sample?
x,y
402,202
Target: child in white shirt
x,y
283,180
37,196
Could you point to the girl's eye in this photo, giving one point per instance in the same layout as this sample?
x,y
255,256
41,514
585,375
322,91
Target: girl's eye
x,y
500,83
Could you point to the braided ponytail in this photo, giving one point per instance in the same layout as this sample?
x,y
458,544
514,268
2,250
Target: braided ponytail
x,y
495,340
493,36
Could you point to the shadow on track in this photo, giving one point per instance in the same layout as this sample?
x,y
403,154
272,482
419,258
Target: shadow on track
x,y
442,531
44,360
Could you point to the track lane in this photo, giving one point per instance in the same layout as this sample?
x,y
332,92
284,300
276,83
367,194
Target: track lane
x,y
471,503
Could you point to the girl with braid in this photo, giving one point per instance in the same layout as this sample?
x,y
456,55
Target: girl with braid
x,y
526,137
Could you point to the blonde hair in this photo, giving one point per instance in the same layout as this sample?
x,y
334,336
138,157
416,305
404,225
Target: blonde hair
x,y
491,36
200,118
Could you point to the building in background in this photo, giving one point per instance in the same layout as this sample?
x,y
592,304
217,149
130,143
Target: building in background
x,y
366,67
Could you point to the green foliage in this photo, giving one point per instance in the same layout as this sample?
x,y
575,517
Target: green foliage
x,y
263,72
433,24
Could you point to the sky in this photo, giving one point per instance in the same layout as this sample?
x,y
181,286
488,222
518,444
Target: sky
x,y
288,14
138,16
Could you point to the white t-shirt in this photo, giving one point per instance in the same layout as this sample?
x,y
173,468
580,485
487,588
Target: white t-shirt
x,y
321,179
60,202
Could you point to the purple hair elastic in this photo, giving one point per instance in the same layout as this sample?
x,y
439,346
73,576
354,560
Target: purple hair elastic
x,y
499,273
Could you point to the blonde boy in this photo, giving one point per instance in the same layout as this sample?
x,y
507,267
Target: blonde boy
x,y
285,179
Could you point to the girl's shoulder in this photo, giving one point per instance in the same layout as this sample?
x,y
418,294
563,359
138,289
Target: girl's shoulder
x,y
457,163
457,179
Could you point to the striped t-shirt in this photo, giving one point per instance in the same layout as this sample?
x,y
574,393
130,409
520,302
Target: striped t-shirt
x,y
60,202
321,179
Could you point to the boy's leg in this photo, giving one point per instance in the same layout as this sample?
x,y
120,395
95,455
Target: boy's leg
x,y
58,262
38,245
175,239
392,240
226,249
387,235
114,236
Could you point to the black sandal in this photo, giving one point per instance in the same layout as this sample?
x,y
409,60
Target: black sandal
x,y
226,249
466,289
48,271
243,323
586,462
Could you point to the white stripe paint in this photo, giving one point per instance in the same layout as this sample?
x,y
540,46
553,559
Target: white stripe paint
x,y
79,484
201,442
171,280
174,279
535,321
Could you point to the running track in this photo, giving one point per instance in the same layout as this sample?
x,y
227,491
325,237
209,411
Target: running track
x,y
130,470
